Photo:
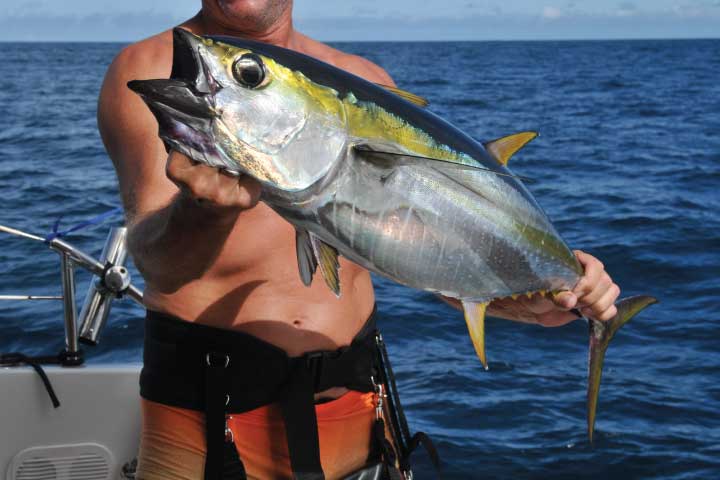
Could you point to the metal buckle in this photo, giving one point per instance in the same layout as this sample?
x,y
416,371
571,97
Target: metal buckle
x,y
381,396
229,437
208,359
313,362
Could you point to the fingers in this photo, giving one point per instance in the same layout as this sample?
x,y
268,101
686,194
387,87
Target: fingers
x,y
248,191
604,308
210,187
594,269
596,292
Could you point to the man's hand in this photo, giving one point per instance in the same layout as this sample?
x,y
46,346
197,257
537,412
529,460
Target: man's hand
x,y
209,187
594,296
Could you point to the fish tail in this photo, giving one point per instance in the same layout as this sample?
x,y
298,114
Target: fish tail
x,y
600,335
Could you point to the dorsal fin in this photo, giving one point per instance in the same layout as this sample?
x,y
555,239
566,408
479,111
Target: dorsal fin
x,y
410,97
504,148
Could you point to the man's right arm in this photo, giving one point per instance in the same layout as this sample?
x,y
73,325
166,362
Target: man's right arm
x,y
173,205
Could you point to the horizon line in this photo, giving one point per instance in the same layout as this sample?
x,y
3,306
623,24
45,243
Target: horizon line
x,y
599,39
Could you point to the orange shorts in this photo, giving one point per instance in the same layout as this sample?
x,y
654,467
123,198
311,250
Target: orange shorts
x,y
172,444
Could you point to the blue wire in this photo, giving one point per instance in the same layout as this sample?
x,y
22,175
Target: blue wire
x,y
87,223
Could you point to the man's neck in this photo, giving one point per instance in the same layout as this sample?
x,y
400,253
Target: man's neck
x,y
281,33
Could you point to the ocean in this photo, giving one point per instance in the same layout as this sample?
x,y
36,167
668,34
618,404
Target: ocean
x,y
627,166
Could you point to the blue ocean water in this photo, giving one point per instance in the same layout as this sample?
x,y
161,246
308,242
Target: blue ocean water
x,y
627,166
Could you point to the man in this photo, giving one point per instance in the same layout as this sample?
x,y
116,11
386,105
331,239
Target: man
x,y
212,255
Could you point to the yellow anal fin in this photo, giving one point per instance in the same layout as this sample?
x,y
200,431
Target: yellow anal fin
x,y
475,319
504,148
410,97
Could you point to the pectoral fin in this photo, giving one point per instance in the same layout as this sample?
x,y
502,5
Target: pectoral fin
x,y
327,259
475,319
383,156
600,335
313,252
307,264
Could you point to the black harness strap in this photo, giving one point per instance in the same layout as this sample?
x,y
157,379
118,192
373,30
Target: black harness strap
x,y
298,409
222,461
222,372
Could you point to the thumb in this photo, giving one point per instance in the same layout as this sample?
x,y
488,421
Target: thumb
x,y
565,300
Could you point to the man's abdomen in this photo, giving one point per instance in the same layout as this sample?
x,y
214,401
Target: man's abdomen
x,y
254,286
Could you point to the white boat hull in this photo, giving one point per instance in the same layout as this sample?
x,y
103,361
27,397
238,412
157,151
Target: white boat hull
x,y
95,430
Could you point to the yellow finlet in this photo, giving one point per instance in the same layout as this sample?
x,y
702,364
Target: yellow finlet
x,y
504,148
475,319
410,97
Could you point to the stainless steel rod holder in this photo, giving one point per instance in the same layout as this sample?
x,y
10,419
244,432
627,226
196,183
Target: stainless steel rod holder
x,y
67,272
89,263
100,295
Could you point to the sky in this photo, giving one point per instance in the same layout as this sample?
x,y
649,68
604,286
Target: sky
x,y
373,20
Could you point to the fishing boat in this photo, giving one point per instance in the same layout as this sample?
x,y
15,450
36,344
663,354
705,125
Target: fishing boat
x,y
63,418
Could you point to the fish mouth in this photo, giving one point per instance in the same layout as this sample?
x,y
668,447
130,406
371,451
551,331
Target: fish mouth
x,y
190,89
184,104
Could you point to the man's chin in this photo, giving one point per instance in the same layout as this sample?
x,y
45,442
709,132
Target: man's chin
x,y
258,16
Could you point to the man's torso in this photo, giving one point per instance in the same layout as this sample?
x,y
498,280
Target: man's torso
x,y
253,284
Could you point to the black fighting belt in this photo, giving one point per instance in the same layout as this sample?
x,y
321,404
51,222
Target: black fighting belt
x,y
219,371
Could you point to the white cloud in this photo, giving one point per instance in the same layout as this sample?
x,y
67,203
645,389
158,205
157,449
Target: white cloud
x,y
626,9
696,9
551,13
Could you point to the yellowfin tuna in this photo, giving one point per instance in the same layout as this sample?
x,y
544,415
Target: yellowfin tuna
x,y
365,171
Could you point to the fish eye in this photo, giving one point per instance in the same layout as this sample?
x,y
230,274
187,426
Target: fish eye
x,y
249,70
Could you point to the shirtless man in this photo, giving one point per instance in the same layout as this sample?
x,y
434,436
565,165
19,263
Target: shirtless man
x,y
211,254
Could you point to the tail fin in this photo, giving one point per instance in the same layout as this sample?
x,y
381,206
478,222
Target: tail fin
x,y
600,335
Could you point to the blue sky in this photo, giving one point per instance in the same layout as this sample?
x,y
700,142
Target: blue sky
x,y
129,20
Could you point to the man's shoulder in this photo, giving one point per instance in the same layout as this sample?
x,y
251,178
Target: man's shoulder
x,y
355,64
148,58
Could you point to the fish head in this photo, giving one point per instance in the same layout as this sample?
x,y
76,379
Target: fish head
x,y
230,107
